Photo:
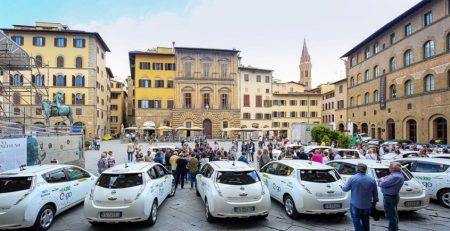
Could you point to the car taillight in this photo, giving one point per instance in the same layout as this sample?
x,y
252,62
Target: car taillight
x,y
32,187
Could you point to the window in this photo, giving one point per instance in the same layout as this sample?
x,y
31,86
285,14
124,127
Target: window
x,y
144,66
392,38
38,61
169,83
367,75
78,98
187,100
352,101
187,69
170,66
79,43
428,19
392,64
60,42
408,29
78,62
79,81
169,104
267,116
258,101
114,119
267,103
206,69
313,102
246,100
267,90
39,41
224,70
408,58
376,71
56,176
292,102
268,77
430,167
313,114
16,98
60,62
146,83
393,91
258,78
376,96
293,114
319,176
157,66
353,61
16,111
206,101
303,102
409,90
366,98
60,80
18,40
367,53
78,111
38,80
118,181
246,78
352,81
159,83
114,107
303,114
429,83
376,48
17,80
246,115
224,101
428,49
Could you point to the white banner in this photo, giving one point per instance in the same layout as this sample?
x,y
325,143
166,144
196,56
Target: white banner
x,y
13,153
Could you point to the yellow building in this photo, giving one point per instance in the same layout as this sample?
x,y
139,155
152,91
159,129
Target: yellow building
x,y
118,109
75,65
153,74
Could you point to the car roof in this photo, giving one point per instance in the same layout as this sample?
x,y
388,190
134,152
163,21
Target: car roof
x,y
345,149
369,163
303,164
137,167
34,169
228,165
432,160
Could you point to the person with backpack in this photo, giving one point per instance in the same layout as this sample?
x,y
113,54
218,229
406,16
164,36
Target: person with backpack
x,y
102,163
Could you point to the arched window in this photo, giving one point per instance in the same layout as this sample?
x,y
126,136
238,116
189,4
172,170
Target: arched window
x,y
39,80
358,100
376,71
60,80
79,81
393,91
367,53
16,98
367,98
352,101
367,75
78,98
38,61
376,96
352,81
79,62
393,64
409,87
60,61
429,83
428,49
408,58
17,80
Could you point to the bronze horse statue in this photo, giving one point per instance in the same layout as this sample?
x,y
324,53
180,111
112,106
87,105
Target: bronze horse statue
x,y
56,108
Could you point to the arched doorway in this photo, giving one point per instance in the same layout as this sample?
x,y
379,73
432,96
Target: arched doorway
x,y
440,130
355,128
341,127
207,128
364,128
411,130
372,131
390,126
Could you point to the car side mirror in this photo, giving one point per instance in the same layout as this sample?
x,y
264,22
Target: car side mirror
x,y
169,172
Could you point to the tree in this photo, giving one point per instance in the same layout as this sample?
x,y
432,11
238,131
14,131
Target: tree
x,y
343,140
322,133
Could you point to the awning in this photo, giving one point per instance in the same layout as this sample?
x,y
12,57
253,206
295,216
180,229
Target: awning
x,y
147,128
149,124
131,128
165,128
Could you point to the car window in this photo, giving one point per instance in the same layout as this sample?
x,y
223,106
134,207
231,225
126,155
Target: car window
x,y
55,176
429,167
160,170
272,168
207,170
319,176
153,173
15,184
284,170
237,178
76,173
382,172
348,169
407,164
120,180
335,165
210,171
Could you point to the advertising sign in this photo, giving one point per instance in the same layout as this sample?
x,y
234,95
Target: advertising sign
x,y
13,153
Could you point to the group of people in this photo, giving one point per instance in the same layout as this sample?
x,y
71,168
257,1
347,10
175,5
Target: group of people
x,y
95,143
106,161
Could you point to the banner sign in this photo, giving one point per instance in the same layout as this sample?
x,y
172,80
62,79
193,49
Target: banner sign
x,y
13,153
383,92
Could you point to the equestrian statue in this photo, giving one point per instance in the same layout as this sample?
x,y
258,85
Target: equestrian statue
x,y
56,108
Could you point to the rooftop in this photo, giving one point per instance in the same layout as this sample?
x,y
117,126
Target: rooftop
x,y
250,68
206,49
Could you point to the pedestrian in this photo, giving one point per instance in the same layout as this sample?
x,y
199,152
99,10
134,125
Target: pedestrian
x,y
130,150
264,159
111,160
317,157
98,143
364,196
325,157
252,150
159,158
139,156
302,155
102,163
181,170
390,187
148,157
173,164
193,170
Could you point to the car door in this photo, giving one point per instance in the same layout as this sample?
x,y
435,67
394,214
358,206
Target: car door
x,y
200,181
156,187
280,180
60,190
167,183
205,180
80,181
269,173
430,174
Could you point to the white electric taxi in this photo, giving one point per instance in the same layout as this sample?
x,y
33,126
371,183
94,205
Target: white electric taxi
x,y
32,196
434,173
232,189
129,193
305,187
413,196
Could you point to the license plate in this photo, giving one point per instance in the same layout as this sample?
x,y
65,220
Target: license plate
x,y
413,203
244,209
332,206
110,214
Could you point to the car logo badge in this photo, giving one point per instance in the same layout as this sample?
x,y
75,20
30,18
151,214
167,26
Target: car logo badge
x,y
113,192
242,188
328,186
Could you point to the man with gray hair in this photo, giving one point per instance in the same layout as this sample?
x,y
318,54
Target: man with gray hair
x,y
364,195
390,187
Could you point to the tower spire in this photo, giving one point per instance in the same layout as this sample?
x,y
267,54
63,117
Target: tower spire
x,y
305,67
305,55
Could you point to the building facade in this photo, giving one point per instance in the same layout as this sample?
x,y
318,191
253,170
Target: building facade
x,y
118,109
206,86
328,108
340,103
75,63
399,77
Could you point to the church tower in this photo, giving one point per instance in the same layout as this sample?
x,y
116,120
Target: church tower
x,y
305,67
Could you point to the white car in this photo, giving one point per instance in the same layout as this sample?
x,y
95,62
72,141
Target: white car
x,y
32,196
434,173
413,196
403,154
232,189
154,149
129,193
312,149
363,137
347,153
440,156
305,187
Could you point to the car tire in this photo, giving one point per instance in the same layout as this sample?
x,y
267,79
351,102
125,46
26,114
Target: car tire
x,y
263,217
153,214
289,207
173,189
209,217
444,198
196,191
94,223
45,218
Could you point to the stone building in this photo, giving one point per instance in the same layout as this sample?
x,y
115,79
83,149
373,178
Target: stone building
x,y
399,77
305,68
328,108
118,109
206,89
340,104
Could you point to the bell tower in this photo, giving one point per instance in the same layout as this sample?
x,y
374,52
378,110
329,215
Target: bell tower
x,y
305,67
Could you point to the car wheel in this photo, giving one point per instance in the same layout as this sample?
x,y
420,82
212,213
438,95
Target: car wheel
x,y
444,197
44,219
173,189
93,223
196,191
264,216
153,214
208,215
289,207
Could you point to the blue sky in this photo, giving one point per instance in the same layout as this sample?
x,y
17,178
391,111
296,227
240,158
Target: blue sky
x,y
268,33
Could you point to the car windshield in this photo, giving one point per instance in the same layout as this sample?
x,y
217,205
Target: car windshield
x,y
319,176
237,178
120,180
382,172
14,184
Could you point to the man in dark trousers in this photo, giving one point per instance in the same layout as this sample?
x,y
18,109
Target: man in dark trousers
x,y
390,187
363,194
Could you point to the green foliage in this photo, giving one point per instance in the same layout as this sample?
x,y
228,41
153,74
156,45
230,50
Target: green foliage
x,y
318,132
87,143
326,140
322,133
343,140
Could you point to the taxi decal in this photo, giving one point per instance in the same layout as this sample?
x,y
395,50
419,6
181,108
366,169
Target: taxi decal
x,y
276,187
65,193
45,193
425,180
166,176
82,180
265,179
